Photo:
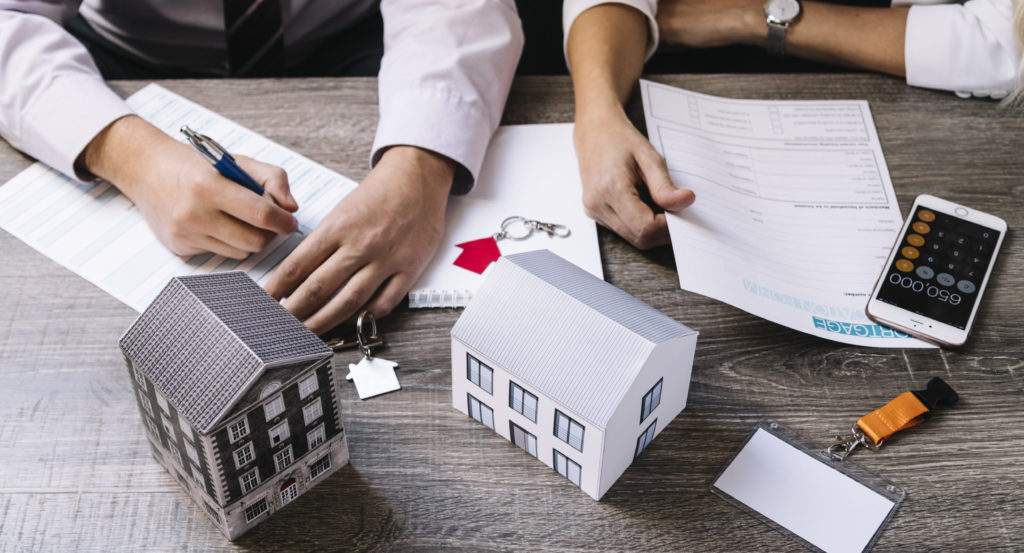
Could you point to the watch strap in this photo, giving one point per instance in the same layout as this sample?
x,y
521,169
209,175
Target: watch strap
x,y
776,44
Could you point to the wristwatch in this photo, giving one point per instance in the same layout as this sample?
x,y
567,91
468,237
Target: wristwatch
x,y
779,14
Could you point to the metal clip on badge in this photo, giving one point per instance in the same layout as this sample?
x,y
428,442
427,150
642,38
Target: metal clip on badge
x,y
906,410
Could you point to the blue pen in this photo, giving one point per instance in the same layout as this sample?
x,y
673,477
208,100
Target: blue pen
x,y
221,159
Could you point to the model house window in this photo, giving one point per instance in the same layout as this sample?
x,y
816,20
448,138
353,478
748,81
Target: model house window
x,y
175,454
308,385
152,427
186,430
162,402
250,480
312,412
274,408
279,433
191,452
156,452
213,513
651,401
315,437
319,467
283,458
144,401
289,491
522,401
645,439
238,430
197,476
523,439
482,413
567,467
139,378
168,427
568,430
269,389
243,455
478,373
253,512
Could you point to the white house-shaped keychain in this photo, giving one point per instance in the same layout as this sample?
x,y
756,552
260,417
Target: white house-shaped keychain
x,y
372,376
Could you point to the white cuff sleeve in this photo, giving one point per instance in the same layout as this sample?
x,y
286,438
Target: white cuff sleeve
x,y
969,49
65,117
572,9
441,122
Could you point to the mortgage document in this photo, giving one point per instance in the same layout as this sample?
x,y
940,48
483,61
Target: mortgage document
x,y
795,212
97,232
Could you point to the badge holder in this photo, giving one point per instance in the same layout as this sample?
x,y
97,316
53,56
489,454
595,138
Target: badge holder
x,y
815,495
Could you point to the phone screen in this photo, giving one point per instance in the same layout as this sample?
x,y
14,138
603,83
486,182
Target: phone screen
x,y
939,267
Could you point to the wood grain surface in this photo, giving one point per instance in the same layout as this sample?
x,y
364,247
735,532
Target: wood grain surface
x,y
76,474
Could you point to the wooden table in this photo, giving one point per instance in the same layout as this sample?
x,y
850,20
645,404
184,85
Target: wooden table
x,y
76,474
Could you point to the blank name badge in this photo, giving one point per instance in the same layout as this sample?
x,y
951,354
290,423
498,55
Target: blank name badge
x,y
828,505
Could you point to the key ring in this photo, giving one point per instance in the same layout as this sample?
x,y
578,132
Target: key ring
x,y
510,231
371,341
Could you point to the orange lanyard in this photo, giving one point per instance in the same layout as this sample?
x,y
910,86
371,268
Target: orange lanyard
x,y
905,410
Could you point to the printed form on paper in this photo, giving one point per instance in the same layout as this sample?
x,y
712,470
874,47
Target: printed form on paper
x,y
97,232
795,212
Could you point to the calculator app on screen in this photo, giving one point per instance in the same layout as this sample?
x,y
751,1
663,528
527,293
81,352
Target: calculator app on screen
x,y
939,267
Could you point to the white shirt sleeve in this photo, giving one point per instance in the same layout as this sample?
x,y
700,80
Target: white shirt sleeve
x,y
969,48
572,9
445,76
53,101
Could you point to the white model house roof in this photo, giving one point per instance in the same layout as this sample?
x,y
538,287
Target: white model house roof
x,y
206,339
563,332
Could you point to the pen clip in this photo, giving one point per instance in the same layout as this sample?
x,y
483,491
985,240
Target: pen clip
x,y
208,147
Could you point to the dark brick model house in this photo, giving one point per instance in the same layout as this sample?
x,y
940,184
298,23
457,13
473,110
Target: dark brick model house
x,y
238,398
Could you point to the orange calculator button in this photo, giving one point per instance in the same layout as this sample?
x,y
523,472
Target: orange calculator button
x,y
926,216
904,265
921,228
910,253
915,240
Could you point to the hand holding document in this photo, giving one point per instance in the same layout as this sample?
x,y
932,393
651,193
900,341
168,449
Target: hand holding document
x,y
795,211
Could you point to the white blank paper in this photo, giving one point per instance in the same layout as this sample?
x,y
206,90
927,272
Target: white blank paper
x,y
530,171
823,506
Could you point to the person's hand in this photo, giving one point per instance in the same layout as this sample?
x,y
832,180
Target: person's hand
x,y
616,162
189,205
710,23
370,249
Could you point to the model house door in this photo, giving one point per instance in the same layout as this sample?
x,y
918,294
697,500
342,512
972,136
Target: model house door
x,y
523,439
289,491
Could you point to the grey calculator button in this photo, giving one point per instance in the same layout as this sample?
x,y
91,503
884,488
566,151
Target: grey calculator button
x,y
945,279
966,286
925,272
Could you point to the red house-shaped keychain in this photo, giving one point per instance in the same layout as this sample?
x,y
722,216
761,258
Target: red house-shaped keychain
x,y
477,255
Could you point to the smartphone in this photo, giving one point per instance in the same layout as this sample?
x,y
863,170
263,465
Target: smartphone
x,y
937,271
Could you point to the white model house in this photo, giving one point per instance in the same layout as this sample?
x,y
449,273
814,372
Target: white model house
x,y
568,367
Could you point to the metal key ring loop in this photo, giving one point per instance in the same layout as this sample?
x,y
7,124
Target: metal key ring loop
x,y
361,337
508,223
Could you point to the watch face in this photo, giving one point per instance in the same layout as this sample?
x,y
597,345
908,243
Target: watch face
x,y
782,11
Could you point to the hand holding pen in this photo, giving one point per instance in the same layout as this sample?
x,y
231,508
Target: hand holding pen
x,y
222,161
187,203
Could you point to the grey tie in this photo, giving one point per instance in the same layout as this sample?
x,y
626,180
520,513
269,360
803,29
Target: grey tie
x,y
255,38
